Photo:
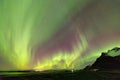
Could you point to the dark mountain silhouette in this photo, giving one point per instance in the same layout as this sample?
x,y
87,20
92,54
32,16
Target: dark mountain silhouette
x,y
107,61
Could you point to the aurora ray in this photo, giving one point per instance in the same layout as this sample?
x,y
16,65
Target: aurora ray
x,y
56,34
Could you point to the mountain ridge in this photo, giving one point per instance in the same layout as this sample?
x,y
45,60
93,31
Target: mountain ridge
x,y
107,61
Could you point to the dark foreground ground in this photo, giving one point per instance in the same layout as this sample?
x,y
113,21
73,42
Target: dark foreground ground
x,y
60,75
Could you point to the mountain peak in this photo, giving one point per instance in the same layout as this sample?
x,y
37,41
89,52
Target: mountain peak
x,y
114,52
108,61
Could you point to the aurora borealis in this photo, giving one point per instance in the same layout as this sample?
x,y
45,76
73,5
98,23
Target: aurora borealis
x,y
56,34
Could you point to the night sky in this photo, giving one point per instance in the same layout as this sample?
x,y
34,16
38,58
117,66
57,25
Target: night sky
x,y
56,34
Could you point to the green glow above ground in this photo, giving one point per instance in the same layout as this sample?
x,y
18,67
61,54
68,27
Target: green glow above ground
x,y
22,20
27,24
62,60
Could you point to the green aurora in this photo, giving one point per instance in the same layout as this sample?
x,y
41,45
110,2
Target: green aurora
x,y
56,34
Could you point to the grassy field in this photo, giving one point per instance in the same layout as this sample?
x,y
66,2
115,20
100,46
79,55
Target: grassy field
x,y
60,75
